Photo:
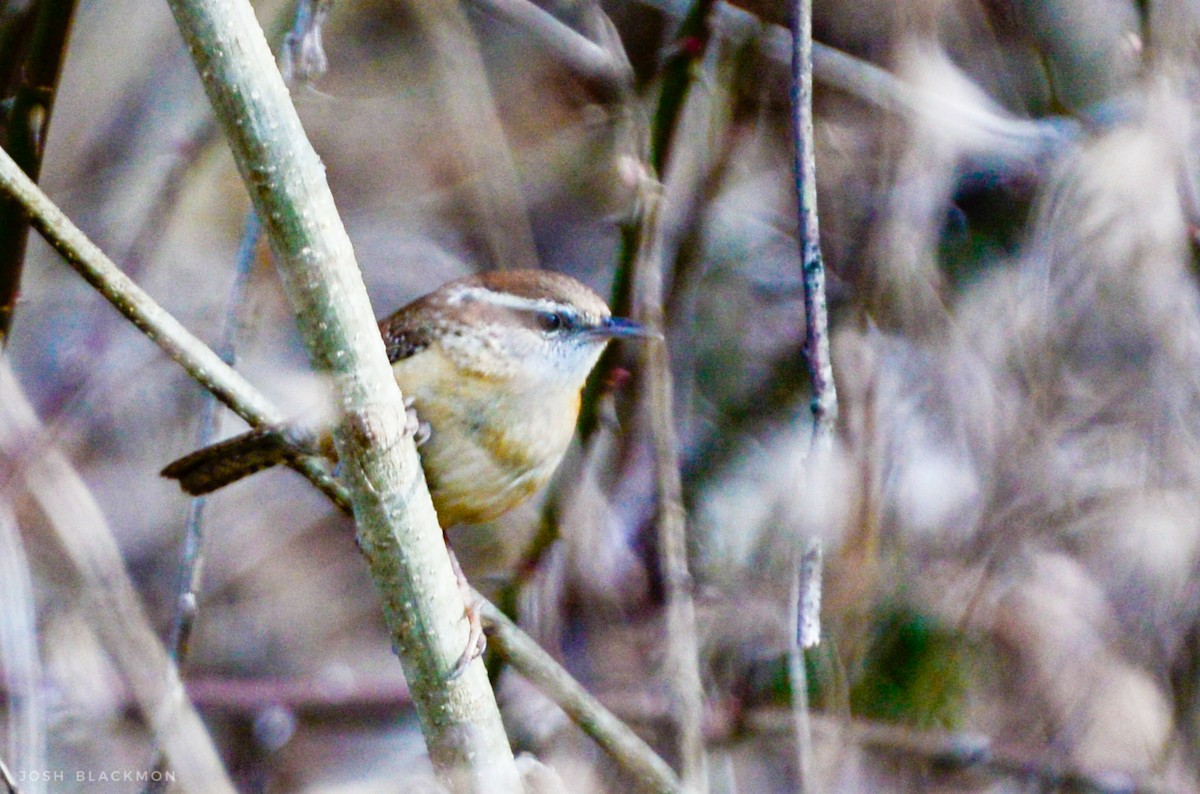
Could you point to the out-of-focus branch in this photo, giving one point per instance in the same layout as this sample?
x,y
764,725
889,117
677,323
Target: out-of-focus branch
x,y
476,135
20,660
641,284
682,668
25,131
10,785
302,57
398,530
91,554
609,75
386,698
998,143
960,751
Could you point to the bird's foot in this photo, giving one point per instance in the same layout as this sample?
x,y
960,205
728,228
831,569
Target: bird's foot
x,y
476,639
415,427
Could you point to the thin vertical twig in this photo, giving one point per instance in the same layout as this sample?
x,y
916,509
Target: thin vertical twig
x,y
805,623
191,564
806,570
682,668
816,323
808,596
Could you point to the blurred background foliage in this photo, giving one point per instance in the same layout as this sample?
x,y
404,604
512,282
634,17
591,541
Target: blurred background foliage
x,y
1008,199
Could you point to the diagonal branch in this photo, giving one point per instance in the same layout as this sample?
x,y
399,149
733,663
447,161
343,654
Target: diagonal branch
x,y
205,366
537,666
609,75
90,554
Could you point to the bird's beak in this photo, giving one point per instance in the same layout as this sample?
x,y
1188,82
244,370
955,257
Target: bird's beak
x,y
614,327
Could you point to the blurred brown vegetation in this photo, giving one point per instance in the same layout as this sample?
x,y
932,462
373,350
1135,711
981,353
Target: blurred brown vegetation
x,y
1010,521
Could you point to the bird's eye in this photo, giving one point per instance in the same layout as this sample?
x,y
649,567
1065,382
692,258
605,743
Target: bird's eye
x,y
552,321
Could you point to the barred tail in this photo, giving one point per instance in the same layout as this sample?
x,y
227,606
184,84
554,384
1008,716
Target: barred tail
x,y
225,462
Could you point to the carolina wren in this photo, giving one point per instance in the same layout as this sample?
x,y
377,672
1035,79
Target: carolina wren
x,y
494,365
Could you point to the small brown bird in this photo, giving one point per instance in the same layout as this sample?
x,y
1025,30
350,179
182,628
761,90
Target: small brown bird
x,y
493,365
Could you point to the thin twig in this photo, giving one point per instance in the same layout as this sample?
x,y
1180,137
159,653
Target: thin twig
x,y
682,668
816,346
536,665
611,77
205,366
191,564
816,323
691,42
302,58
26,128
805,606
808,596
90,553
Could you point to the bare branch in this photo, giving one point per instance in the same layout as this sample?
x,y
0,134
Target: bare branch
x,y
816,345
21,671
625,746
610,75
6,777
205,366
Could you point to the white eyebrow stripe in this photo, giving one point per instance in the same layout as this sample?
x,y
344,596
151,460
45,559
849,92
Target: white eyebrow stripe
x,y
503,299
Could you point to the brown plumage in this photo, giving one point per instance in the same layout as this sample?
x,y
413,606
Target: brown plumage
x,y
493,364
